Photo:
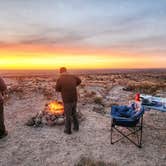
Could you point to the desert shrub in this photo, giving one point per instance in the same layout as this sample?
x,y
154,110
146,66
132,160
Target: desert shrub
x,y
93,93
15,90
98,100
84,161
82,85
48,93
146,87
89,94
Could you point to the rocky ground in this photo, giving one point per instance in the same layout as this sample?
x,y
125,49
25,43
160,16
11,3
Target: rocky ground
x,y
49,146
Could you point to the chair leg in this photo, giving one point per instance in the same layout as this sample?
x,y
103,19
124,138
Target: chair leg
x,y
141,130
140,140
138,130
138,144
111,132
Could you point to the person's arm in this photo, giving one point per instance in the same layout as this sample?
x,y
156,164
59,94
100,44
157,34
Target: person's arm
x,y
3,86
78,81
58,86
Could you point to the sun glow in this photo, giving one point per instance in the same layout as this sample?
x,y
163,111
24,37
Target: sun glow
x,y
45,58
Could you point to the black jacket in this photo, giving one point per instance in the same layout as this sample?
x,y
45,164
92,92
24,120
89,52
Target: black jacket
x,y
67,84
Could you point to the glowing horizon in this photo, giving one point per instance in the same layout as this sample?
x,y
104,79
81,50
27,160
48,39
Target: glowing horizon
x,y
46,57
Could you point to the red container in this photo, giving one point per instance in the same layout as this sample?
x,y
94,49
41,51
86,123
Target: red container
x,y
137,97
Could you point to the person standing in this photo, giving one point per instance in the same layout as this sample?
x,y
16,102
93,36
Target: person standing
x,y
3,88
67,85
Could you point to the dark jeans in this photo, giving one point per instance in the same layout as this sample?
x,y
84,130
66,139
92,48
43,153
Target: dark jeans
x,y
70,113
2,125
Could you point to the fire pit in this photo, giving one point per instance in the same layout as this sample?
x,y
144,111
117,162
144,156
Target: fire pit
x,y
53,114
54,108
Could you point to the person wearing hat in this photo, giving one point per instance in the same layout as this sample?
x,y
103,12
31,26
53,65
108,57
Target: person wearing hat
x,y
3,88
67,85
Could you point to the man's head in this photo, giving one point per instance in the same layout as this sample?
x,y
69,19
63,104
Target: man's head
x,y
63,70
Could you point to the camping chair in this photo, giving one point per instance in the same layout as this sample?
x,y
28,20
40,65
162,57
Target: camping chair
x,y
133,124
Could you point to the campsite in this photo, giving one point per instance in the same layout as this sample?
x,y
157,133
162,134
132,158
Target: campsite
x,y
47,145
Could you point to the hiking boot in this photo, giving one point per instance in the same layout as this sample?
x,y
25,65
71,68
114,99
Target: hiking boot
x,y
3,135
67,132
76,128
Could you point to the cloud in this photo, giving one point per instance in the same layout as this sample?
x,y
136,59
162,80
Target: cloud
x,y
111,24
80,32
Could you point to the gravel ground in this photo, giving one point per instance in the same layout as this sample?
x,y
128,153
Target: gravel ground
x,y
49,146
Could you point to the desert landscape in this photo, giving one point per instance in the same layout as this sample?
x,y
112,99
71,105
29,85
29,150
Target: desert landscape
x,y
117,49
49,146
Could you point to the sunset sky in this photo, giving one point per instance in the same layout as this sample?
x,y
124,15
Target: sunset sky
x,y
86,34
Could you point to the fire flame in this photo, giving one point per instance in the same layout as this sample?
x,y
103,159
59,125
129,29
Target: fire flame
x,y
55,107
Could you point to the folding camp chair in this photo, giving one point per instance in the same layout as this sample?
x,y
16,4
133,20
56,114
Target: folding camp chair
x,y
133,124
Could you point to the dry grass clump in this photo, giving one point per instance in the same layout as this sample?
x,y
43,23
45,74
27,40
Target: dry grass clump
x,y
89,94
98,100
146,87
48,93
82,85
15,89
84,161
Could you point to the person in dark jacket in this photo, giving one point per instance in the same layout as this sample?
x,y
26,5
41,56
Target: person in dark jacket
x,y
67,85
3,88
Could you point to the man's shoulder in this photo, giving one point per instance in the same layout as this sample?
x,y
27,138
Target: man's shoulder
x,y
68,76
74,77
3,86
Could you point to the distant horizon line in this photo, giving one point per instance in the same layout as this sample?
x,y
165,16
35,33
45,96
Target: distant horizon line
x,y
6,73
85,69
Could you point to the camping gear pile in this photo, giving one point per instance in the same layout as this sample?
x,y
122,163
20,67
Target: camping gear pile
x,y
152,102
131,117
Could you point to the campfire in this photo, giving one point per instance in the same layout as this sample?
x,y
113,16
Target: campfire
x,y
54,108
53,114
